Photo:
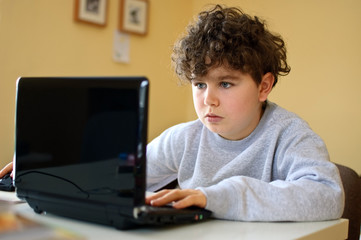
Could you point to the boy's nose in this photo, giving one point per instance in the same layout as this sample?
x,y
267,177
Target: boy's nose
x,y
210,98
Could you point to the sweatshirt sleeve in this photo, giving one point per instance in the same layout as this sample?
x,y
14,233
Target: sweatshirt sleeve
x,y
166,152
162,165
307,188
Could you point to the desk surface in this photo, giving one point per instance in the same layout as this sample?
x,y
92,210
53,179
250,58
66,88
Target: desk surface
x,y
212,229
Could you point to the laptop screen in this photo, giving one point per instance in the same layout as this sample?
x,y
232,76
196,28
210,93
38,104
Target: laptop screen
x,y
81,138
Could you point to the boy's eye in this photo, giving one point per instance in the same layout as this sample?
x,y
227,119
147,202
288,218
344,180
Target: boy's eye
x,y
225,85
200,85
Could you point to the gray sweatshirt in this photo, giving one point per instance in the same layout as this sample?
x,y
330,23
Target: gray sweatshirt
x,y
280,172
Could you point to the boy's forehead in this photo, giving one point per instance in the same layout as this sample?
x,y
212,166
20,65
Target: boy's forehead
x,y
221,72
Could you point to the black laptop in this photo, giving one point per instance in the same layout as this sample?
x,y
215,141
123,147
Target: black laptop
x,y
80,150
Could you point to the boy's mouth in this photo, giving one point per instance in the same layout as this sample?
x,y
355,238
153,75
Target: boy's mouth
x,y
212,118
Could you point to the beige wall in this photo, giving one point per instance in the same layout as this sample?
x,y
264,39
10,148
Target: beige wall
x,y
40,38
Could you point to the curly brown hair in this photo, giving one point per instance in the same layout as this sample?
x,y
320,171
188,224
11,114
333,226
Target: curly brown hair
x,y
227,36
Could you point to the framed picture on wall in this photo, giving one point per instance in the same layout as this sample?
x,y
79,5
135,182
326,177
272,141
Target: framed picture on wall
x,y
133,16
91,11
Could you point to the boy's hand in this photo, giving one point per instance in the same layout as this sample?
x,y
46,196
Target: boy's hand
x,y
178,198
8,168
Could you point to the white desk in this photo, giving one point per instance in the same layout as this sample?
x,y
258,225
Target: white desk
x,y
212,229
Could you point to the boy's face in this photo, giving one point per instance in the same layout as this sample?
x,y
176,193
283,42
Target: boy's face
x,y
229,102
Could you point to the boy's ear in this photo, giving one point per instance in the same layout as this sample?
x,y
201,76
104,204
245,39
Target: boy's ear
x,y
265,87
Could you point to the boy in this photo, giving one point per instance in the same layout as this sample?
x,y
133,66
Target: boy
x,y
245,158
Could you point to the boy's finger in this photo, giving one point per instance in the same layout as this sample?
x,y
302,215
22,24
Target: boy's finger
x,y
156,195
8,168
164,198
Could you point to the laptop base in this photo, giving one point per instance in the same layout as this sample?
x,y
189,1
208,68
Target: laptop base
x,y
110,215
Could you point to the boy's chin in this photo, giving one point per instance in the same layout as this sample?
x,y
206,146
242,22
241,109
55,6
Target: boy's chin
x,y
219,133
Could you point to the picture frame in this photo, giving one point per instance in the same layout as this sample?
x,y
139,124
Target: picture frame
x,y
133,16
91,11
